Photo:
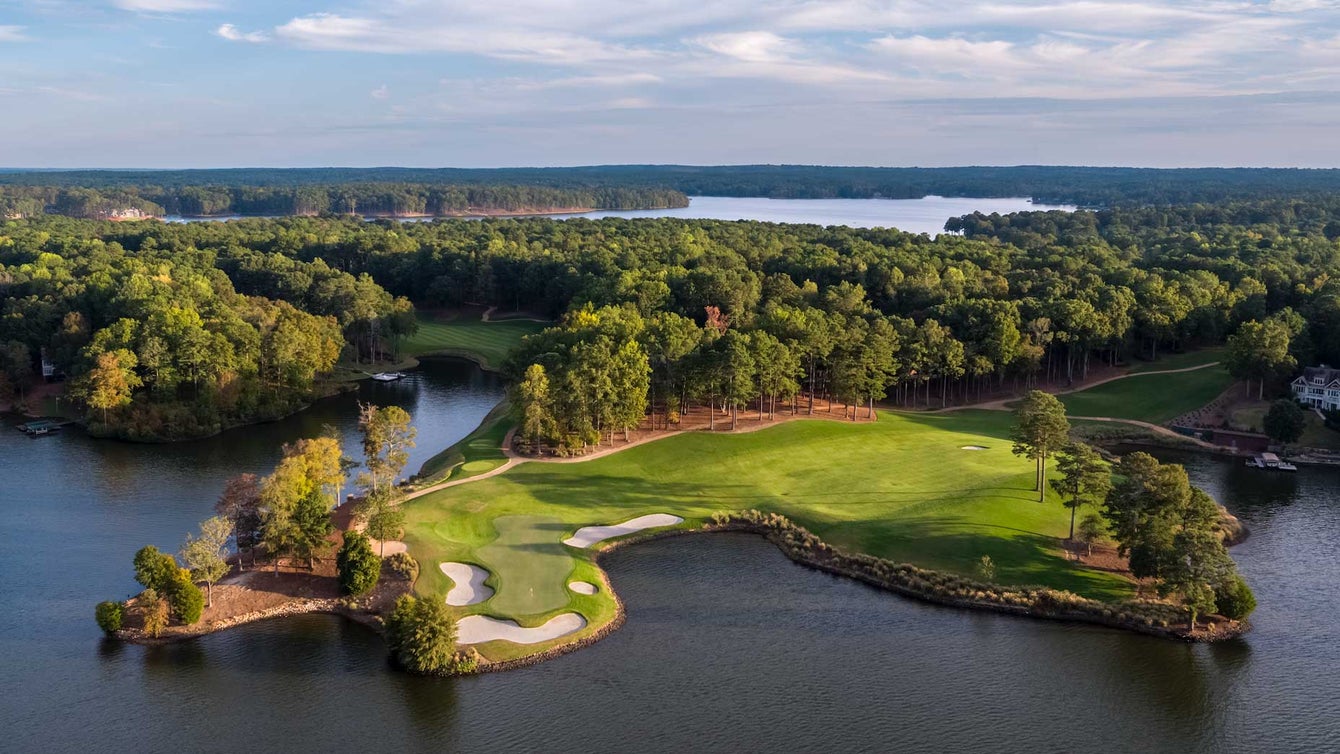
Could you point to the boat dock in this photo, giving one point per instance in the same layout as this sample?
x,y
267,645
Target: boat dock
x,y
39,427
1270,462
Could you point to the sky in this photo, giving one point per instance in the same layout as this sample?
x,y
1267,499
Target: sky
x,y
225,83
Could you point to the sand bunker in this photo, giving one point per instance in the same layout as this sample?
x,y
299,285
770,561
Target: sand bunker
x,y
973,447
582,587
468,583
590,535
477,629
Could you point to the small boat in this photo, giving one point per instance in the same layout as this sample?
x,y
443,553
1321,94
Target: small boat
x,y
388,376
1270,462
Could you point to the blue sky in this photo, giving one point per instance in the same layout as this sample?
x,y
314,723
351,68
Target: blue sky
x,y
211,83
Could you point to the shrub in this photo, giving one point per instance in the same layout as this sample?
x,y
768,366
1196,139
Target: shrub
x,y
153,612
1234,599
357,565
986,569
405,565
109,616
422,636
184,597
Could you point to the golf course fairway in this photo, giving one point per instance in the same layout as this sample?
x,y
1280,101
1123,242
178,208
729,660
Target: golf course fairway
x,y
902,488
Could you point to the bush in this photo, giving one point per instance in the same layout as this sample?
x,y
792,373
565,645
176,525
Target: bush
x,y
358,566
153,612
405,565
154,569
109,616
422,636
1234,599
184,597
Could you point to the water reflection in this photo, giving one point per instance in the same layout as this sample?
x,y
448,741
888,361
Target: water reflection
x,y
728,645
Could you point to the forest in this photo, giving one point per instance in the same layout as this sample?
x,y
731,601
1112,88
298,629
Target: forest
x,y
164,343
645,186
97,199
667,313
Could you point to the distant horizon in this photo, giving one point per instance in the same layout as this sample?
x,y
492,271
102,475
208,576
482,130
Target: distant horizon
x,y
575,166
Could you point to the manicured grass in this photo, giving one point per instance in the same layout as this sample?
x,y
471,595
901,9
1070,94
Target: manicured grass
x,y
1154,398
527,557
1315,434
1179,360
466,335
900,488
476,453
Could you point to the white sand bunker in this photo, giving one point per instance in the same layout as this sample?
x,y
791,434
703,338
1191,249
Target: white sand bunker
x,y
973,447
582,587
590,535
477,629
468,583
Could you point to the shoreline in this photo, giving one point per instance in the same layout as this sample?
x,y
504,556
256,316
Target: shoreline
x,y
804,549
470,213
797,544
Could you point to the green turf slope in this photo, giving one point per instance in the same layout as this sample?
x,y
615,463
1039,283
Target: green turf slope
x,y
902,488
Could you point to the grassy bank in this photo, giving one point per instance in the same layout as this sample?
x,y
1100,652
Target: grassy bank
x,y
476,453
465,334
902,488
1153,398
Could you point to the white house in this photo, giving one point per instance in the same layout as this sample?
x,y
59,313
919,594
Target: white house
x,y
1319,387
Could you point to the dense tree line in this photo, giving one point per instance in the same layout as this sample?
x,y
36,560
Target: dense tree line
x,y
173,341
867,313
368,199
1084,186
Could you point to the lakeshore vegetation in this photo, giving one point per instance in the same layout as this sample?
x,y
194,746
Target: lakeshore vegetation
x,y
662,323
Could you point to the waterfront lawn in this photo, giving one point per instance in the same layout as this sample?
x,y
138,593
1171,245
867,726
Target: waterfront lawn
x,y
465,334
901,488
1154,398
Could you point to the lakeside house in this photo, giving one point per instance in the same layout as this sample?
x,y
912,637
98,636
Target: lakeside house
x,y
1318,387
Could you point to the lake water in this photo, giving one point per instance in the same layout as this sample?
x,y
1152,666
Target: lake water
x,y
728,645
925,215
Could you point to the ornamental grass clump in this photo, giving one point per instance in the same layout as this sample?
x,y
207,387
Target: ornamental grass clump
x,y
404,565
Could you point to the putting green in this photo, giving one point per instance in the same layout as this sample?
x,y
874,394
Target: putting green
x,y
531,565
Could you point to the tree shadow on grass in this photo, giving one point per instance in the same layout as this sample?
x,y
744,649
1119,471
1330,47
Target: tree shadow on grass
x,y
1020,557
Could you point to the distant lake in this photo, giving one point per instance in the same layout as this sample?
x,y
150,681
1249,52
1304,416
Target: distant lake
x,y
925,215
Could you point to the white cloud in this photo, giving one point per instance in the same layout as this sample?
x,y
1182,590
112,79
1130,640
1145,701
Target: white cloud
x,y
750,46
905,48
329,31
165,6
10,33
380,92
234,34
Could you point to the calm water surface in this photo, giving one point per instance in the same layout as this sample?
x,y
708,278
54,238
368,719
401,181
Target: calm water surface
x,y
728,646
925,215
